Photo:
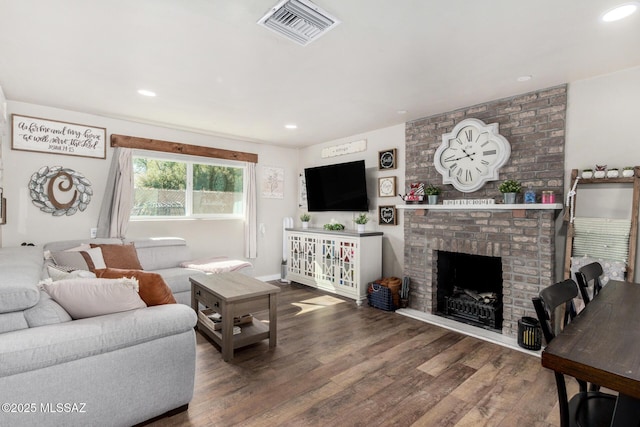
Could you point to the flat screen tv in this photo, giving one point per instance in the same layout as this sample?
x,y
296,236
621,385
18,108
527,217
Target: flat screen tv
x,y
339,187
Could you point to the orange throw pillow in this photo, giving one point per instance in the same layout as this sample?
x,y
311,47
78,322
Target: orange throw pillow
x,y
153,289
120,256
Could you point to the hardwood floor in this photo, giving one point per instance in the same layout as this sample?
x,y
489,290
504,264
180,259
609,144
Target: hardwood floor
x,y
339,364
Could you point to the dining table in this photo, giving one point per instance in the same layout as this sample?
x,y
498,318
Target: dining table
x,y
602,346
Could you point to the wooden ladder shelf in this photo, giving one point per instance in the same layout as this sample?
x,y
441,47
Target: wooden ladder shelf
x,y
633,235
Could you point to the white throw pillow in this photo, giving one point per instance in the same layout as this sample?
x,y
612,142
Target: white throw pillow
x,y
77,260
94,297
59,272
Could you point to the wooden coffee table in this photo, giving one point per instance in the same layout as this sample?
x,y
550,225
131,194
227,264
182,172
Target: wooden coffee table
x,y
234,295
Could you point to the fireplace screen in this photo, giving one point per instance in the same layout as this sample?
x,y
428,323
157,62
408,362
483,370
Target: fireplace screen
x,y
469,289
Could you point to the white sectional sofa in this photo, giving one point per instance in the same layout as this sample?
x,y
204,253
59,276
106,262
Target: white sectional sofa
x,y
117,369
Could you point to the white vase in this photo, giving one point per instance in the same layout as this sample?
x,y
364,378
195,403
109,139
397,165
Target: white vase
x,y
360,228
305,224
612,173
628,173
599,174
587,174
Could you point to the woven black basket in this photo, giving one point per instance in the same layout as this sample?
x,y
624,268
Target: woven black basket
x,y
380,297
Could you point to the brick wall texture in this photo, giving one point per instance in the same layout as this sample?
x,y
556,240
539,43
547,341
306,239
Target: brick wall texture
x,y
534,125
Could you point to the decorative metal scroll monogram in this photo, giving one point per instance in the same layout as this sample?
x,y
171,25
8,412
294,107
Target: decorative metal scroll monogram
x,y
72,193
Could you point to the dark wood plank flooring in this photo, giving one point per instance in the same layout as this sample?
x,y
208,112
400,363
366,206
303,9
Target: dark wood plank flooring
x,y
339,364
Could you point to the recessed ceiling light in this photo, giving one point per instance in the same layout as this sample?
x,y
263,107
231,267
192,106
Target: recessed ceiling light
x,y
524,78
145,92
291,126
620,12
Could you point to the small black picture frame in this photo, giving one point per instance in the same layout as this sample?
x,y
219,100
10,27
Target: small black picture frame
x,y
387,159
387,215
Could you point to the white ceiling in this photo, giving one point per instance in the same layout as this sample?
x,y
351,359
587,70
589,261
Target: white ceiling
x,y
216,71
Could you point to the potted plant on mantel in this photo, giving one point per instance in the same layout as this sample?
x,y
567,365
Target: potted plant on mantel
x,y
510,189
432,193
361,220
305,218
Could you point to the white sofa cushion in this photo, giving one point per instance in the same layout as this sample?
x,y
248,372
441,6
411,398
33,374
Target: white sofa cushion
x,y
37,348
21,270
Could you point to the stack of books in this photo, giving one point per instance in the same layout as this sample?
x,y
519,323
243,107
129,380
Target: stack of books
x,y
214,320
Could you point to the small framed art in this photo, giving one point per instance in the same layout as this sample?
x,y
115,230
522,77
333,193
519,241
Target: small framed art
x,y
387,186
387,215
387,159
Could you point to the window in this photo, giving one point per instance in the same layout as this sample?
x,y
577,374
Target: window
x,y
171,187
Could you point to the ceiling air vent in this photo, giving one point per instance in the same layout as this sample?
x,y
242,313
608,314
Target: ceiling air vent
x,y
298,20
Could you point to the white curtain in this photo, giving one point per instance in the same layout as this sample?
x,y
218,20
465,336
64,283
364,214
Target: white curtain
x,y
118,197
250,224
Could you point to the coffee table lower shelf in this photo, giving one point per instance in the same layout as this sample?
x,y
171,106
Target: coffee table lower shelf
x,y
251,334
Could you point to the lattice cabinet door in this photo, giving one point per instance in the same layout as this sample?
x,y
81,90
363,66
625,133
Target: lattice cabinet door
x,y
326,259
346,265
302,250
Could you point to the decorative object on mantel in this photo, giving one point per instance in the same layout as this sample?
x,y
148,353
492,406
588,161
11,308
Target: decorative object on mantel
x,y
587,173
530,195
305,218
387,159
334,227
415,194
432,193
360,221
627,172
46,198
471,155
55,137
612,173
469,202
387,215
601,171
510,189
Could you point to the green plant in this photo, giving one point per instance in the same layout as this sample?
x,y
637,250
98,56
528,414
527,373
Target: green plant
x,y
362,219
334,227
510,186
587,170
305,217
628,168
613,169
432,190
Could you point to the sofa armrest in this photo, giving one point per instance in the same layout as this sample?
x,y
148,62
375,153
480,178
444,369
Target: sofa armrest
x,y
37,348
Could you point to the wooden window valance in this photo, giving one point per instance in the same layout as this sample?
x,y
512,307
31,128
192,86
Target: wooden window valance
x,y
179,148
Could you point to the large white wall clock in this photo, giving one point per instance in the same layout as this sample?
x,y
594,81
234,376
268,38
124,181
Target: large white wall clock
x,y
471,155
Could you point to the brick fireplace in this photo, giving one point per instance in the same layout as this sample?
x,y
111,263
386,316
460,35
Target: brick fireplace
x,y
525,240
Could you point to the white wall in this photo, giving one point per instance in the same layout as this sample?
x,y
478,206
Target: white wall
x,y
602,116
377,140
26,223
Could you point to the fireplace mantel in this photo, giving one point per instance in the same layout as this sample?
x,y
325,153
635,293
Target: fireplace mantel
x,y
494,207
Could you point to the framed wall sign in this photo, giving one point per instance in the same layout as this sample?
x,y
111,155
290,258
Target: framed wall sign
x,y
387,186
387,159
55,137
387,215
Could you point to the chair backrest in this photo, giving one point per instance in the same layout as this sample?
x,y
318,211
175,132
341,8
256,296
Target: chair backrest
x,y
585,276
546,305
550,299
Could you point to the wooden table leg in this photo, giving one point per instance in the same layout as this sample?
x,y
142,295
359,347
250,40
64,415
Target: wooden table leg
x,y
227,332
273,319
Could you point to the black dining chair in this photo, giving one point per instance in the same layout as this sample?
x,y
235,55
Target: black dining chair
x,y
589,276
586,408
